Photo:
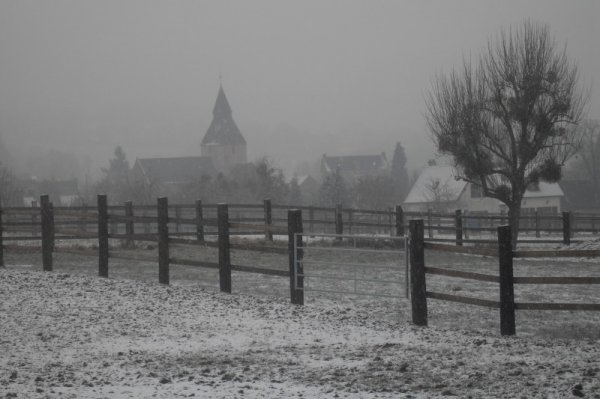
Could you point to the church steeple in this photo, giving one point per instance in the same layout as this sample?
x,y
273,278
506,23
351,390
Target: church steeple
x,y
222,108
223,141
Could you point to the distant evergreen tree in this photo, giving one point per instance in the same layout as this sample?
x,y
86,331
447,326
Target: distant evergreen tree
x,y
115,182
270,182
295,194
333,190
399,174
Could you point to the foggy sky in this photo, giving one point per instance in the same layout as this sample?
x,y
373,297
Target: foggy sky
x,y
303,77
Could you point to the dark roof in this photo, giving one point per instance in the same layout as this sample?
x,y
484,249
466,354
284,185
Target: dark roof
x,y
222,129
176,170
579,195
356,163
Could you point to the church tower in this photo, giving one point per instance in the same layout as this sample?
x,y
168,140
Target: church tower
x,y
223,141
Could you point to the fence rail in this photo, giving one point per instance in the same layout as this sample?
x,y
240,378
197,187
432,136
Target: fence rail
x,y
505,279
462,226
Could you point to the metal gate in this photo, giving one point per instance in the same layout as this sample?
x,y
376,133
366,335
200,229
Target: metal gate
x,y
372,266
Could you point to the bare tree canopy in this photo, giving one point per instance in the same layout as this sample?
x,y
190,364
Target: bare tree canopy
x,y
506,119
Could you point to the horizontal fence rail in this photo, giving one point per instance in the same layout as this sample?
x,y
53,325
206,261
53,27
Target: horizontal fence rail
x,y
506,280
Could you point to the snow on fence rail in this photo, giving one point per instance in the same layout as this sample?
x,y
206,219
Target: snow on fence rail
x,y
505,278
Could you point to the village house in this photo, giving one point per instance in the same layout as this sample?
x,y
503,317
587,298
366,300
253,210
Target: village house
x,y
169,173
60,192
438,189
353,167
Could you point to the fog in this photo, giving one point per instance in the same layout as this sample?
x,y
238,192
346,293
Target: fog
x,y
78,78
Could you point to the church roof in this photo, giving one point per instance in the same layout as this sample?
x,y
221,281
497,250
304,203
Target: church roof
x,y
176,170
222,129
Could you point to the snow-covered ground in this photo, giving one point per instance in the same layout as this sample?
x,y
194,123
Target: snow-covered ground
x,y
79,336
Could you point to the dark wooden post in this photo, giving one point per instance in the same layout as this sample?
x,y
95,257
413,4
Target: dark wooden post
x,y
102,236
46,219
507,293
129,226
295,256
268,219
199,221
429,224
339,222
417,273
566,220
399,221
162,213
458,224
1,239
224,256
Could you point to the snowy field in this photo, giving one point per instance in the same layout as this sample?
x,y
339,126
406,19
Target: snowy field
x,y
71,334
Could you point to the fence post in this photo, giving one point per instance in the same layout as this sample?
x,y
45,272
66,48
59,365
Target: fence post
x,y
311,216
339,222
268,219
102,236
224,256
566,219
1,239
429,223
162,213
129,227
507,293
417,273
458,224
399,221
295,256
537,223
199,222
46,221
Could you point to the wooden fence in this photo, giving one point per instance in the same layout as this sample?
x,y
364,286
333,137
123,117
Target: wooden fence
x,y
200,224
505,254
459,227
102,224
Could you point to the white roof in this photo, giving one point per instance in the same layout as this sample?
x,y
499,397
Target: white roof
x,y
546,190
421,191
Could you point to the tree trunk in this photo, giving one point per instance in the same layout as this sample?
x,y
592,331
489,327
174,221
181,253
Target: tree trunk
x,y
514,214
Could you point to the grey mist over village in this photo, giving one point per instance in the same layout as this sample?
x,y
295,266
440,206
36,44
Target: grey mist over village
x,y
319,198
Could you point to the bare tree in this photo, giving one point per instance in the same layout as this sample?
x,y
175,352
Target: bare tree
x,y
506,120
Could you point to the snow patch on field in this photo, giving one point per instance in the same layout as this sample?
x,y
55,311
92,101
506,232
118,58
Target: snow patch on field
x,y
73,336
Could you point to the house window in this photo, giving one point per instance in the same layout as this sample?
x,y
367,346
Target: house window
x,y
476,191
